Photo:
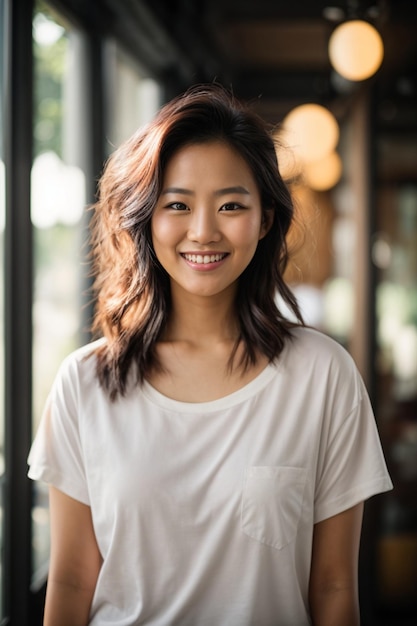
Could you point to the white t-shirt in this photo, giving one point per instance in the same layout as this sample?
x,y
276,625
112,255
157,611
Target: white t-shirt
x,y
204,512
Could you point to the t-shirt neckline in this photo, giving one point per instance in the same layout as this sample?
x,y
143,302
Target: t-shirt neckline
x,y
236,397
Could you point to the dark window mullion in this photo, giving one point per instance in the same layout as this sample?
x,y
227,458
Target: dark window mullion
x,y
18,309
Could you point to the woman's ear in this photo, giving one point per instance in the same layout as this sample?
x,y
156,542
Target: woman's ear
x,y
267,220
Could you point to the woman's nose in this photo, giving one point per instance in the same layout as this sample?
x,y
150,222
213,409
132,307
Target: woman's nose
x,y
203,226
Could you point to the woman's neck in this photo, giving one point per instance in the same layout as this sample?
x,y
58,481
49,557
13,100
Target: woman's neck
x,y
202,320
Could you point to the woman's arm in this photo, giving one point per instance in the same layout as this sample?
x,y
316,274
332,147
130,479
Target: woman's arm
x,y
75,562
333,590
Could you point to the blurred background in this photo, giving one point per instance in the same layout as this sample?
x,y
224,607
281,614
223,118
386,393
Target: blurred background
x,y
77,77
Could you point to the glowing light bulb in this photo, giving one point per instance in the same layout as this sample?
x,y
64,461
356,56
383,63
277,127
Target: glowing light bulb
x,y
311,131
324,173
356,50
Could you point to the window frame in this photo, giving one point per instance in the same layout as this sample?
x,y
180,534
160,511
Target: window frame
x,y
17,308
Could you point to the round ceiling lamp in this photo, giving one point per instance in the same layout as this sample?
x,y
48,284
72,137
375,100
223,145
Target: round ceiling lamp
x,y
356,50
311,131
323,174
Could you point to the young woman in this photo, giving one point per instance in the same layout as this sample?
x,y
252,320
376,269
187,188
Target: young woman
x,y
207,459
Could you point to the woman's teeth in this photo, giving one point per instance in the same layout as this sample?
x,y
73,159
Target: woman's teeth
x,y
203,258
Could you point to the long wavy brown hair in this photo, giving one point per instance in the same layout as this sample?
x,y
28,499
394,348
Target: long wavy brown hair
x,y
132,289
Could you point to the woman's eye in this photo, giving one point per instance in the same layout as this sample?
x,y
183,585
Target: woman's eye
x,y
177,206
231,206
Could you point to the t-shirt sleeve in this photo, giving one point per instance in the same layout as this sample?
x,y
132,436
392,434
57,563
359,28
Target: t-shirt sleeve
x,y
56,456
352,466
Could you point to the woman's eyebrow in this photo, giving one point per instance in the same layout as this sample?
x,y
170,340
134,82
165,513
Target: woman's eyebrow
x,y
237,189
179,190
219,192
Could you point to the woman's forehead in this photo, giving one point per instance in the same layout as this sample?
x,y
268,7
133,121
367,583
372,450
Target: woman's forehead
x,y
215,158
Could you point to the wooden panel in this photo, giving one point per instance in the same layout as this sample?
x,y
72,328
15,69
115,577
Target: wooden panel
x,y
285,44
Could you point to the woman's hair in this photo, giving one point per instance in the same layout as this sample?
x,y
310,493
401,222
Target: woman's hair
x,y
132,288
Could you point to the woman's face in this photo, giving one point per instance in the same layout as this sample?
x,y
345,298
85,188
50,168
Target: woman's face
x,y
208,219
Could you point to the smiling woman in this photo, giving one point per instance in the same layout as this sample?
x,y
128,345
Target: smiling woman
x,y
129,197
207,458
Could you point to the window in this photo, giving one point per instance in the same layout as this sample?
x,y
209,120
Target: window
x,y
395,256
58,200
132,97
60,180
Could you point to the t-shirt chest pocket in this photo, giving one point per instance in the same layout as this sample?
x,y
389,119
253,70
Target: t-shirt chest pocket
x,y
272,503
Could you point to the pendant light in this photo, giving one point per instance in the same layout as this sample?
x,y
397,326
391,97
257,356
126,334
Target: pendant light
x,y
356,50
311,131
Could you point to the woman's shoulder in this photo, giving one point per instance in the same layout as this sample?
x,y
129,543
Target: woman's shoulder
x,y
320,362
314,336
81,361
308,343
